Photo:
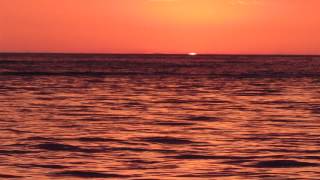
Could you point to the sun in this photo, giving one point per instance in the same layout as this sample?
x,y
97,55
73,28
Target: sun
x,y
192,54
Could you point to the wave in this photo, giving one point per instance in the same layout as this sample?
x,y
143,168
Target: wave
x,y
65,147
45,166
89,174
167,140
8,176
284,164
203,157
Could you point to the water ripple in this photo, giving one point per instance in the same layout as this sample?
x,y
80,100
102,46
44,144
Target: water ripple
x,y
88,174
167,117
284,164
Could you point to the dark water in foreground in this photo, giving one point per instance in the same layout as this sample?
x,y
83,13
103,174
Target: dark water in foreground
x,y
153,117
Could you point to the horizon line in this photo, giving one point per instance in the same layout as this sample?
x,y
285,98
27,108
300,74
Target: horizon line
x,y
187,54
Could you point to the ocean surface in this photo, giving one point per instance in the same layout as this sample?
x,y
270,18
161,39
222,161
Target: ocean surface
x,y
145,117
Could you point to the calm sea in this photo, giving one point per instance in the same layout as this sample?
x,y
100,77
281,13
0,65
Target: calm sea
x,y
142,117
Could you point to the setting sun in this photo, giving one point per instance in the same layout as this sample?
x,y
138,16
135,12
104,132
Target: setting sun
x,y
193,54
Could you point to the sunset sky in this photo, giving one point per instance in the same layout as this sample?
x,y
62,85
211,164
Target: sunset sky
x,y
161,26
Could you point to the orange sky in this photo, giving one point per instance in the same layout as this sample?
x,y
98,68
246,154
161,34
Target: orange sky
x,y
161,26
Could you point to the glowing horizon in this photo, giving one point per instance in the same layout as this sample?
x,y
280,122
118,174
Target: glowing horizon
x,y
161,26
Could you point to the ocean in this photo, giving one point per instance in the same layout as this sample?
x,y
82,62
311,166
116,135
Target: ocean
x,y
139,117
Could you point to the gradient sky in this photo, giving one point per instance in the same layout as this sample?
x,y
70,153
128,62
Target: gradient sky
x,y
161,26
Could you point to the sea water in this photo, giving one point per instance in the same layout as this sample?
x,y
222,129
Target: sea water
x,y
159,117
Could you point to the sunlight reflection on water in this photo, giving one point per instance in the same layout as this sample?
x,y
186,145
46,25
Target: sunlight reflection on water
x,y
159,127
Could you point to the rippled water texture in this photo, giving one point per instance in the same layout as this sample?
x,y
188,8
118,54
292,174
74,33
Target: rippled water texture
x,y
159,117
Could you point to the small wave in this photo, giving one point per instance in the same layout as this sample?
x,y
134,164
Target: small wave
x,y
16,131
315,110
139,161
285,120
89,174
199,157
167,140
64,147
203,118
8,176
98,139
58,147
170,123
209,175
129,149
282,150
7,152
309,157
46,166
165,151
257,93
284,164
39,138
240,161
